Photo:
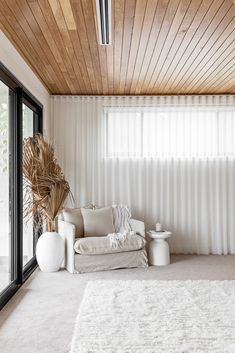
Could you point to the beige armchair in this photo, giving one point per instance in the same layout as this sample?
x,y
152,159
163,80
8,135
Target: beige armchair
x,y
77,263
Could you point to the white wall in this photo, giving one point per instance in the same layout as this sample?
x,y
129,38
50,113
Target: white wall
x,y
14,62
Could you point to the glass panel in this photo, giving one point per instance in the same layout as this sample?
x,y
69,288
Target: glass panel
x,y
171,132
28,234
124,134
5,233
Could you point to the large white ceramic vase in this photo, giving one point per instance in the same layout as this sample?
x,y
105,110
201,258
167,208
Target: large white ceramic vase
x,y
50,251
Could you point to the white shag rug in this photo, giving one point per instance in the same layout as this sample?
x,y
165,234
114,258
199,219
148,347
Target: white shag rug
x,y
156,317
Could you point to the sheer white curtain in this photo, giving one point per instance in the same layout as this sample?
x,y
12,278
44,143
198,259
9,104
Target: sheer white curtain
x,y
171,159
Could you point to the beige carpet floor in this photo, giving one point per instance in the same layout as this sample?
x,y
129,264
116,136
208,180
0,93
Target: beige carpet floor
x,y
40,318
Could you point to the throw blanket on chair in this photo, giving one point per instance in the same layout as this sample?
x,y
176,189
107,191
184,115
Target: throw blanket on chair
x,y
126,241
122,227
121,219
117,240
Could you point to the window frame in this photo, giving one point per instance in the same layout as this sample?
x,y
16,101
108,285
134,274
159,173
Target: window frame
x,y
18,95
146,154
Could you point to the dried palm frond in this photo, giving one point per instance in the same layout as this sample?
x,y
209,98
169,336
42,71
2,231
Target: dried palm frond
x,y
44,184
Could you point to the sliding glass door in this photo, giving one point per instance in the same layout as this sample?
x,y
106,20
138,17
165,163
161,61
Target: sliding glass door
x,y
31,228
6,275
28,229
20,117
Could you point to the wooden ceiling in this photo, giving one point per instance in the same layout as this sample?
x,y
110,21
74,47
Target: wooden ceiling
x,y
159,46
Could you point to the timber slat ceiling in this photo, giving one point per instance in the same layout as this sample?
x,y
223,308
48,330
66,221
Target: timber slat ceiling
x,y
159,46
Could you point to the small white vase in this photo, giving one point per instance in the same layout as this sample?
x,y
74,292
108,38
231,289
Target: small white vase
x,y
50,251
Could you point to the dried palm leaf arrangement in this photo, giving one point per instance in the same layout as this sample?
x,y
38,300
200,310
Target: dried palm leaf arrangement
x,y
45,187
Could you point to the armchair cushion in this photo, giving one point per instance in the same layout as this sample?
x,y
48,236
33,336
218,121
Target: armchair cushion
x,y
74,216
105,245
97,222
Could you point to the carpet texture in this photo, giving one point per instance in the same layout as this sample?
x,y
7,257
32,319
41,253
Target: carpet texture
x,y
44,310
156,317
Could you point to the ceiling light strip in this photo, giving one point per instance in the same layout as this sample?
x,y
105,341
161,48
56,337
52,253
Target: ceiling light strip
x,y
104,21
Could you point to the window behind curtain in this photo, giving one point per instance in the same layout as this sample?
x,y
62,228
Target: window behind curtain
x,y
169,132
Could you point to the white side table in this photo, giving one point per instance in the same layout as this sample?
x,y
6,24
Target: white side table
x,y
159,254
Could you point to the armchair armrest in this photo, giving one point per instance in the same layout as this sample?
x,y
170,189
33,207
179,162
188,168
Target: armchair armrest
x,y
138,226
67,232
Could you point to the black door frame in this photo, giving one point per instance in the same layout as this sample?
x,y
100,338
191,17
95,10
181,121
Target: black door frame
x,y
18,95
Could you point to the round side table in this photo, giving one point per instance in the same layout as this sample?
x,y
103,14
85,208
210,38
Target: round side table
x,y
159,254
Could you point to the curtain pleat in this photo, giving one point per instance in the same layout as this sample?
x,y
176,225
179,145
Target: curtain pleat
x,y
191,195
